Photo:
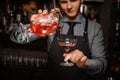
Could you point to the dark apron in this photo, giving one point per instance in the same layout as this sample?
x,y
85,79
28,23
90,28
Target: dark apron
x,y
55,57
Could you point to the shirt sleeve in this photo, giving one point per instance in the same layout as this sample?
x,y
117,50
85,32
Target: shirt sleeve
x,y
20,36
97,64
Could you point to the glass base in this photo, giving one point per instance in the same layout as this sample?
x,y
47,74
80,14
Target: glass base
x,y
66,63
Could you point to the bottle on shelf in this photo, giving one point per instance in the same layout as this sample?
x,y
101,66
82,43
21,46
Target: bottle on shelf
x,y
2,27
118,9
116,42
25,19
19,12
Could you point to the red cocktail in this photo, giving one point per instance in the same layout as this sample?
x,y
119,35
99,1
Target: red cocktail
x,y
67,44
44,25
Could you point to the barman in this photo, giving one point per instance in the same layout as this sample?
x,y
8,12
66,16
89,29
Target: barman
x,y
88,55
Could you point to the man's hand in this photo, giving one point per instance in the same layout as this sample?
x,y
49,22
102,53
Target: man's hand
x,y
76,57
45,13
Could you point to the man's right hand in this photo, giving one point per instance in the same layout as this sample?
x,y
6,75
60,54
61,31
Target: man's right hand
x,y
44,13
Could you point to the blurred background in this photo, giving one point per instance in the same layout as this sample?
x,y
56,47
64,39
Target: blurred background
x,y
29,61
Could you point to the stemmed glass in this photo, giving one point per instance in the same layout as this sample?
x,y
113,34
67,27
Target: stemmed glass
x,y
67,44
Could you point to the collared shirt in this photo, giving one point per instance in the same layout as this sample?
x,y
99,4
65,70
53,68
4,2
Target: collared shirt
x,y
78,29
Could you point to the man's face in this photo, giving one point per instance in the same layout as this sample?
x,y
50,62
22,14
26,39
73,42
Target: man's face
x,y
70,7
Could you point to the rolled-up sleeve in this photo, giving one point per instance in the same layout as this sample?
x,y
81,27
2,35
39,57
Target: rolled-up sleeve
x,y
19,36
98,61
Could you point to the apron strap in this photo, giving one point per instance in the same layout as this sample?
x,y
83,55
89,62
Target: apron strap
x,y
58,32
85,33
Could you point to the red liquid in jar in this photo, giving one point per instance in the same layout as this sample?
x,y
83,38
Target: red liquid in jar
x,y
44,30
